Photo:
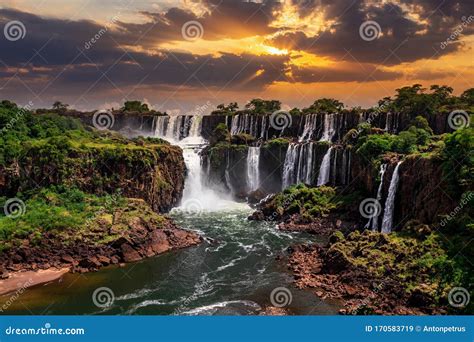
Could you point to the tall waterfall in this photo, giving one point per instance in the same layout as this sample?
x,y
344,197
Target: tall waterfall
x,y
325,168
289,165
374,221
329,129
310,123
185,131
387,222
298,166
253,163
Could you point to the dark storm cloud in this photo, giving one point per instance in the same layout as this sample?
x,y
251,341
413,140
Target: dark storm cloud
x,y
55,49
225,19
352,73
403,39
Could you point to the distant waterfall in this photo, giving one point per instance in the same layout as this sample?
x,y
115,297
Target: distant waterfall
x,y
374,221
329,130
387,222
325,168
177,127
289,165
253,163
245,123
310,125
159,125
298,166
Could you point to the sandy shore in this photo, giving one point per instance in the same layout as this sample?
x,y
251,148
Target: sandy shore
x,y
22,280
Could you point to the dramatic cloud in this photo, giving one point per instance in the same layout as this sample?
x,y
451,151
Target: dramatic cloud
x,y
245,47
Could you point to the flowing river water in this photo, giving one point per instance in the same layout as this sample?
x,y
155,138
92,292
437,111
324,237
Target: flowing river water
x,y
233,272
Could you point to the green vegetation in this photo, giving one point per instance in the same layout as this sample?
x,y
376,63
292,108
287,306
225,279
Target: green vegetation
x,y
310,203
55,209
135,106
417,259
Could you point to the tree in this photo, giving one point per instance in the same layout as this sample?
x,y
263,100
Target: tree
x,y
260,106
135,106
232,107
325,105
60,107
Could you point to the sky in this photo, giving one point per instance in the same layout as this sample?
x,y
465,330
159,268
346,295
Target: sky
x,y
177,56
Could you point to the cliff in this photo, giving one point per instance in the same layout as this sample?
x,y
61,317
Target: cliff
x,y
154,172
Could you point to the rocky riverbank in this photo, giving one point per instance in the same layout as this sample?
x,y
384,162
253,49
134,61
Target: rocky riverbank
x,y
131,233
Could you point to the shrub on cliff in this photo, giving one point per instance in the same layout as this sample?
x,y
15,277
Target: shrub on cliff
x,y
220,134
310,203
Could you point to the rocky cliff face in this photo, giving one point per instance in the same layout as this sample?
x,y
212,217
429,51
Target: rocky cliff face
x,y
154,173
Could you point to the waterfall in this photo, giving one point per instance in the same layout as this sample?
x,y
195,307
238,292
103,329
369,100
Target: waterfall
x,y
325,168
196,124
172,129
387,222
374,221
253,162
309,165
298,166
264,133
159,125
329,130
309,127
289,165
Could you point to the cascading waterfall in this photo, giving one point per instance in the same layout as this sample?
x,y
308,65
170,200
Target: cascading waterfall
x,y
374,221
329,130
310,123
289,165
298,166
159,125
253,164
387,222
325,168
